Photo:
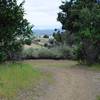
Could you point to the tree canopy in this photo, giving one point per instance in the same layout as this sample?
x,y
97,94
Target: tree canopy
x,y
81,18
14,28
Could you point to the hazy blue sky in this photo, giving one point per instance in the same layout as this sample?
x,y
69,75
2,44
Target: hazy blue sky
x,y
42,13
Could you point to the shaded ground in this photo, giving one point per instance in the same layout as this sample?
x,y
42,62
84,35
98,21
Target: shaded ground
x,y
68,83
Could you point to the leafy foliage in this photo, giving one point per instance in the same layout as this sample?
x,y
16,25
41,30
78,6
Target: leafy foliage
x,y
14,28
57,36
58,52
81,19
2,56
45,36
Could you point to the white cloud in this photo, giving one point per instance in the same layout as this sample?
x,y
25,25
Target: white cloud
x,y
42,13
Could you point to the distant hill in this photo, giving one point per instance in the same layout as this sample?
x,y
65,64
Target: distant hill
x,y
41,32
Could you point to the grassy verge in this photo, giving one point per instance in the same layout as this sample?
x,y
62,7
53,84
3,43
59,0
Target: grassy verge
x,y
95,67
15,77
98,97
52,63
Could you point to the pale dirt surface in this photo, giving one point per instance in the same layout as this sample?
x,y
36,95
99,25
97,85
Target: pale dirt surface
x,y
68,84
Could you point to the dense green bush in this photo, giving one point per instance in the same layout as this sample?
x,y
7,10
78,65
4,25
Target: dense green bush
x,y
2,56
45,53
28,41
58,52
68,52
45,36
81,21
30,53
14,29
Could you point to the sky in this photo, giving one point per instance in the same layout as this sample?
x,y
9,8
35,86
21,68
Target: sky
x,y
42,13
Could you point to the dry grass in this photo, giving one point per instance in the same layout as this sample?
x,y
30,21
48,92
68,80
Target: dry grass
x,y
52,63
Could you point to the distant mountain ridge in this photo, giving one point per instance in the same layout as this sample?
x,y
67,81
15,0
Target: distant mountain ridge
x,y
41,32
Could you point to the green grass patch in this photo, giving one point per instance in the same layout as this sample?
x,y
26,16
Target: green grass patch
x,y
98,97
95,67
17,76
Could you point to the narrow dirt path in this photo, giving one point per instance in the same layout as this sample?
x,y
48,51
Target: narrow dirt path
x,y
72,84
68,84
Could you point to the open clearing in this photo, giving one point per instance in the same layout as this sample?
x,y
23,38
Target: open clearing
x,y
66,81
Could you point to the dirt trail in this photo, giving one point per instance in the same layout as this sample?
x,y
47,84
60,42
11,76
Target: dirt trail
x,y
69,84
72,84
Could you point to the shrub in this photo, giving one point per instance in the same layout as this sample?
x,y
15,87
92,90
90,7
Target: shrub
x,y
2,56
45,53
30,53
82,26
14,28
45,36
58,52
28,41
68,52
